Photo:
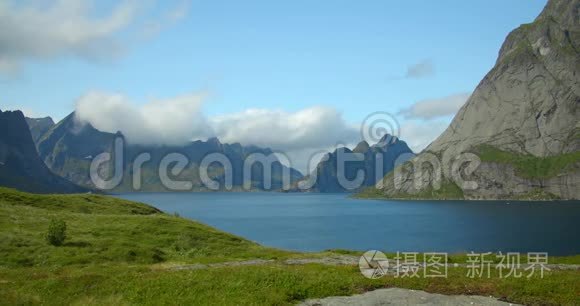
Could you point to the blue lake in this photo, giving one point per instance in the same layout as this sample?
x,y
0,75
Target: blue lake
x,y
315,222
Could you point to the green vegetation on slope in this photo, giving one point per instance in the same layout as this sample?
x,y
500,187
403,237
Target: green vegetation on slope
x,y
529,166
119,252
537,194
370,193
74,203
103,229
447,191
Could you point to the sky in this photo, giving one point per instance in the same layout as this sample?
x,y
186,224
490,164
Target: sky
x,y
298,76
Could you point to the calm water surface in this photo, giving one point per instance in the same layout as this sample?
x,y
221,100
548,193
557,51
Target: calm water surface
x,y
315,222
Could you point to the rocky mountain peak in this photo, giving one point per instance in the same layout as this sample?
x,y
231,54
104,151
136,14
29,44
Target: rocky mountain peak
x,y
361,147
528,103
524,114
39,126
564,12
20,166
11,124
386,141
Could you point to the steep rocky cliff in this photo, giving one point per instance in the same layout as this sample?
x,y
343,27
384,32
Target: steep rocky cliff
x,y
20,166
522,123
39,126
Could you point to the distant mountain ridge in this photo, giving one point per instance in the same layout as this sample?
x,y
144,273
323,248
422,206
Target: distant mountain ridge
x,y
20,165
522,122
68,148
376,160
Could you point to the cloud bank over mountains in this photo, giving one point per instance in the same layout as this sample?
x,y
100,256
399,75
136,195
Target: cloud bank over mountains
x,y
164,121
180,119
311,127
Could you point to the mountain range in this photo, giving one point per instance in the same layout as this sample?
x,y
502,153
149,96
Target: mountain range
x,y
41,156
69,146
518,135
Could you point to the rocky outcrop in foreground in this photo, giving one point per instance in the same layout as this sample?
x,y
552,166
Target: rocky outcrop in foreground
x,y
518,135
397,296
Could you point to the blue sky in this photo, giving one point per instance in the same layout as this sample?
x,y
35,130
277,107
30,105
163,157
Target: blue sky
x,y
284,56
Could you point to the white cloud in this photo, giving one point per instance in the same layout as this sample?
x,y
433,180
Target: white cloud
x,y
180,119
63,28
312,127
168,121
45,30
434,108
304,136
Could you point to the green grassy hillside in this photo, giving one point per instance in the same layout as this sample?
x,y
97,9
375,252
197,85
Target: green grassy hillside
x,y
529,166
108,230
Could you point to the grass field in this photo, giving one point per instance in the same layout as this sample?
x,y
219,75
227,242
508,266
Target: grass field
x,y
117,252
529,166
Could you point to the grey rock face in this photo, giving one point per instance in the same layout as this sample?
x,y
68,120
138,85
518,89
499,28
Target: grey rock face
x,y
499,181
528,104
39,126
397,296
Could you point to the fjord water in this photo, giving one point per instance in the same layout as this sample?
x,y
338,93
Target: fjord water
x,y
316,222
